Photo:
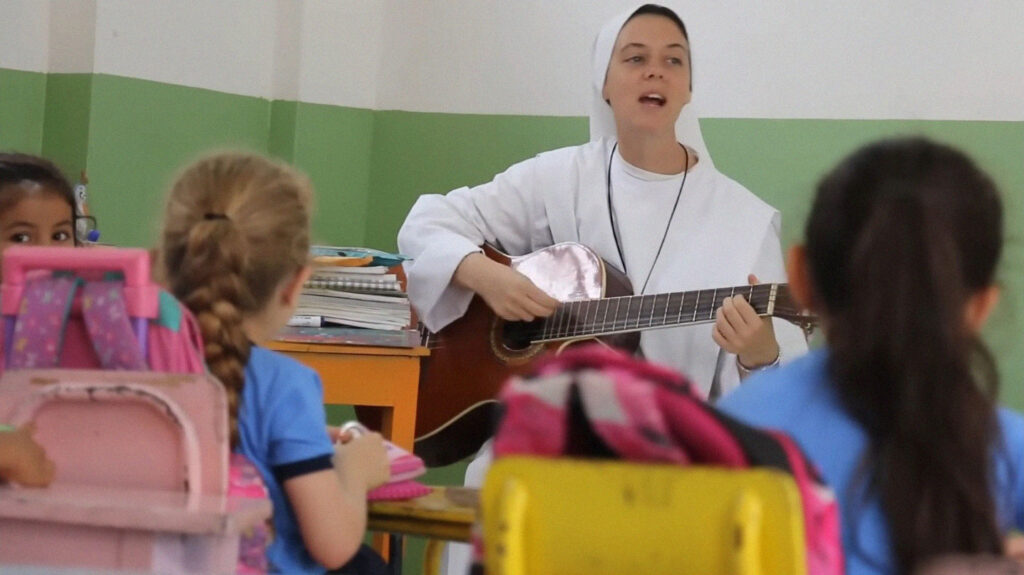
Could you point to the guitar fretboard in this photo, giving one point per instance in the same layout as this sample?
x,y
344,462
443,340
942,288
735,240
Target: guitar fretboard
x,y
592,318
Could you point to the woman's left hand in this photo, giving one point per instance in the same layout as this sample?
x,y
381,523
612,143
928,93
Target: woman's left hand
x,y
738,329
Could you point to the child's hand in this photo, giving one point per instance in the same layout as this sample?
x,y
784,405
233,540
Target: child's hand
x,y
24,461
345,433
1015,547
336,434
363,456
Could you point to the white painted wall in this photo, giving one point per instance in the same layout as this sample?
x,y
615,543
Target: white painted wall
x,y
24,35
224,45
494,56
341,52
957,59
287,55
72,36
912,59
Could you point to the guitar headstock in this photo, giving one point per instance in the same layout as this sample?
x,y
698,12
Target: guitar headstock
x,y
786,308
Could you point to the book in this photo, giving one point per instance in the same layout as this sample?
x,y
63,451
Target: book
x,y
363,324
356,309
342,261
305,321
356,284
332,334
397,300
379,271
378,257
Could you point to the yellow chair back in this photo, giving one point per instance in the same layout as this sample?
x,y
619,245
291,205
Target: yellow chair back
x,y
571,516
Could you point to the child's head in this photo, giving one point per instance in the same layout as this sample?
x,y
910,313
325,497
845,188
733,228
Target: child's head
x,y
901,250
910,218
236,235
37,204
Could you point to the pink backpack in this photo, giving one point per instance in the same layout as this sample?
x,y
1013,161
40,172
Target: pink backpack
x,y
122,320
593,401
98,308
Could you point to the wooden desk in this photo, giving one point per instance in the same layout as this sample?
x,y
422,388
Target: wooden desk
x,y
385,377
445,514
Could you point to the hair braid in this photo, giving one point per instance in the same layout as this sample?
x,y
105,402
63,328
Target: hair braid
x,y
236,227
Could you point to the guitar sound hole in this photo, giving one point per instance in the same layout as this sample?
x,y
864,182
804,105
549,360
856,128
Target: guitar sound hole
x,y
519,335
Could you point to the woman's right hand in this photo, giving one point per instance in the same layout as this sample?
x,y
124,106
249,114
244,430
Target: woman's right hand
x,y
364,456
510,294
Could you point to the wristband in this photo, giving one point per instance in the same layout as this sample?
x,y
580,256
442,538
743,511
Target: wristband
x,y
745,371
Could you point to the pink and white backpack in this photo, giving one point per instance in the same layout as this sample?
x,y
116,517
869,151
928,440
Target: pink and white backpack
x,y
93,308
98,308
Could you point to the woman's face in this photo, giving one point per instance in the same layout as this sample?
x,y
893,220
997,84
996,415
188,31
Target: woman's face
x,y
648,80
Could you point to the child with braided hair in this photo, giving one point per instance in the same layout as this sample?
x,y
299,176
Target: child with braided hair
x,y
235,249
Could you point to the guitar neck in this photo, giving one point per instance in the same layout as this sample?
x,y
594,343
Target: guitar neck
x,y
593,318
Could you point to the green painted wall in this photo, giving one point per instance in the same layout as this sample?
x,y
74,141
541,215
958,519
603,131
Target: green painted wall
x,y
22,109
134,135
281,140
781,161
142,132
66,125
369,166
418,153
333,145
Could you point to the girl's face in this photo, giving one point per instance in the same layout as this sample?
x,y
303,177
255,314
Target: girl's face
x,y
648,80
41,218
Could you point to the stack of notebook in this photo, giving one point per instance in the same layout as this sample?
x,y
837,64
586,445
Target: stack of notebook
x,y
353,287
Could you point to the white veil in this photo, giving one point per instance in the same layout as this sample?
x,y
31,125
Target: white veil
x,y
602,121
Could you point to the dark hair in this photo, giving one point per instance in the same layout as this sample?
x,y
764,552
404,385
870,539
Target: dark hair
x,y
16,168
901,233
658,10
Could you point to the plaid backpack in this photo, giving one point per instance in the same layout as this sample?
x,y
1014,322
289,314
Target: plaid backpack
x,y
592,401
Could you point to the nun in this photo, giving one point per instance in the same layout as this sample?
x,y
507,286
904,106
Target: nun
x,y
643,193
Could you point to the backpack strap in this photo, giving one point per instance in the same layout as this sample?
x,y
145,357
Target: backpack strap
x,y
39,327
245,481
106,319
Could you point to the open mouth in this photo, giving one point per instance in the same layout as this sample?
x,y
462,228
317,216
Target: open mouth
x,y
652,99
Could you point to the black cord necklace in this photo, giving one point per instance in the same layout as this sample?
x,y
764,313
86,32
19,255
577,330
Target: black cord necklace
x,y
671,216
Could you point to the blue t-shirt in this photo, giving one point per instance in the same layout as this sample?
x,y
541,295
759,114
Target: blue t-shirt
x,y
798,399
282,430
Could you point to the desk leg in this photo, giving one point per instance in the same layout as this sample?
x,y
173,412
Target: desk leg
x,y
398,422
432,557
395,555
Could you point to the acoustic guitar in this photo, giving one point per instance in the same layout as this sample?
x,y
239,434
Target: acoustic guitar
x,y
472,357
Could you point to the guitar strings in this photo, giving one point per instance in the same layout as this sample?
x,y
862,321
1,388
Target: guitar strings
x,y
572,319
568,321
